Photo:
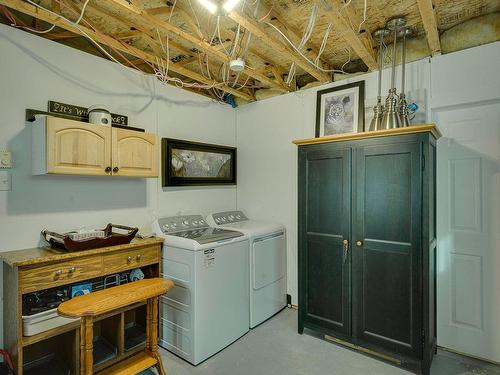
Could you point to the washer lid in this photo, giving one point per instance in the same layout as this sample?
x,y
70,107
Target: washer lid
x,y
207,235
254,228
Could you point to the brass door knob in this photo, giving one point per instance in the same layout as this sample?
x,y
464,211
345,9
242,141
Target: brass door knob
x,y
359,243
108,170
116,169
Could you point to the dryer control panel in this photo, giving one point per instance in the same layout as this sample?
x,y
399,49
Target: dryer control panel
x,y
181,223
228,217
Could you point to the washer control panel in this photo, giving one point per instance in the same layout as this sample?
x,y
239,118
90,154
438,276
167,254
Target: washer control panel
x,y
180,223
229,217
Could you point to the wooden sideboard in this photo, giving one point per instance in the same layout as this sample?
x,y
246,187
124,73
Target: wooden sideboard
x,y
37,269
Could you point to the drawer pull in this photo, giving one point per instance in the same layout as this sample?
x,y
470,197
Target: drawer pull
x,y
58,273
129,259
138,257
72,270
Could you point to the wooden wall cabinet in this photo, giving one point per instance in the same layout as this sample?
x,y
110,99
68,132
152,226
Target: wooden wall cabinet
x,y
367,246
62,146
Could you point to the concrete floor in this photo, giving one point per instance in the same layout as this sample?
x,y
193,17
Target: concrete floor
x,y
275,348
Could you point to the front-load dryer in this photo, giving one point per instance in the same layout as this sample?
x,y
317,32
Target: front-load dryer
x,y
267,259
208,308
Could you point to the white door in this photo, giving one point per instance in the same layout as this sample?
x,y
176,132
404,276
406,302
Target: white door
x,y
468,227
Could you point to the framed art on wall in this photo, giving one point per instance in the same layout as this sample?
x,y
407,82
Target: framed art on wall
x,y
192,163
340,109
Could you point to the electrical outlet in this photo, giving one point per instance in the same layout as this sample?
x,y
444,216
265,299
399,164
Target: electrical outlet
x,y
5,159
5,181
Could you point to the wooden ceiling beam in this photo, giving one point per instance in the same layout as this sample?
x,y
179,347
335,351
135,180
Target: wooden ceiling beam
x,y
179,6
166,26
104,39
62,35
140,30
255,28
343,27
430,25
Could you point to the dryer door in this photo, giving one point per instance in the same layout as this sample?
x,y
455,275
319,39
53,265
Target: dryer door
x,y
268,260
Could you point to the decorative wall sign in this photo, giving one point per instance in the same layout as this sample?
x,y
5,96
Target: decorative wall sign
x,y
191,163
80,113
340,109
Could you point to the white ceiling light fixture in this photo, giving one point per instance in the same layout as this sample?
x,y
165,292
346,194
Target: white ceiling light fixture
x,y
220,8
229,5
210,6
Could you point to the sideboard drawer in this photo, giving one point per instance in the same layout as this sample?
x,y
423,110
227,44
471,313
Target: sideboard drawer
x,y
126,260
61,273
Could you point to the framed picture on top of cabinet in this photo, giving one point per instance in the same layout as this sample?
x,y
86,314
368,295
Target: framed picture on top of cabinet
x,y
340,109
191,163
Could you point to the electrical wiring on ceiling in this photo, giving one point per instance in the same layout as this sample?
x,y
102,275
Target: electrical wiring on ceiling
x,y
365,10
14,24
158,74
323,43
305,37
301,54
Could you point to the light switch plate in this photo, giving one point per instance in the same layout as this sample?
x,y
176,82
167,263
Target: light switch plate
x,y
5,159
5,181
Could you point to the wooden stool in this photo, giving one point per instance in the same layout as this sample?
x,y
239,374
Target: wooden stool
x,y
92,305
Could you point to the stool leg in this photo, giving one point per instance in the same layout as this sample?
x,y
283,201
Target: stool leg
x,y
82,346
152,343
89,345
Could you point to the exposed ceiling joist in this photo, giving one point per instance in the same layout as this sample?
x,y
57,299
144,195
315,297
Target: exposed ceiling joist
x,y
343,28
62,35
277,45
140,30
104,39
430,25
166,26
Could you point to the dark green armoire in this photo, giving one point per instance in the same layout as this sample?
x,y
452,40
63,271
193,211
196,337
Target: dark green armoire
x,y
367,242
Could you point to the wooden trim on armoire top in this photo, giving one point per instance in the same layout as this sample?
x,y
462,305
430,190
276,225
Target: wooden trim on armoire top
x,y
432,128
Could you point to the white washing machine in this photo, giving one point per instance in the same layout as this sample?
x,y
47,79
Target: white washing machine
x,y
267,257
208,308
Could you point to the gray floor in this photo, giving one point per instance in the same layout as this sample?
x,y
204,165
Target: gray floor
x,y
275,348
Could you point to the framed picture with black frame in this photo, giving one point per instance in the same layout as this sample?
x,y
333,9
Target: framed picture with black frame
x,y
186,163
340,109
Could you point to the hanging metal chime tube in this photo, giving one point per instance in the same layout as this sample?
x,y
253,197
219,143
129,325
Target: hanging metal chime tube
x,y
391,118
378,110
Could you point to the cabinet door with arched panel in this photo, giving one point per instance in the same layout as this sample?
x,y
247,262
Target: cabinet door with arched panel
x,y
135,154
77,148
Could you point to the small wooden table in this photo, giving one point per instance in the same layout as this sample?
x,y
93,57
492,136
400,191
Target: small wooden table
x,y
93,305
31,270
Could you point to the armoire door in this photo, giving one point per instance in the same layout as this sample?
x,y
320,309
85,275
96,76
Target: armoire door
x,y
324,264
386,250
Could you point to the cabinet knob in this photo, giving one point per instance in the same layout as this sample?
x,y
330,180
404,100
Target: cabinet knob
x,y
359,243
108,170
72,270
116,169
58,273
138,257
129,259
